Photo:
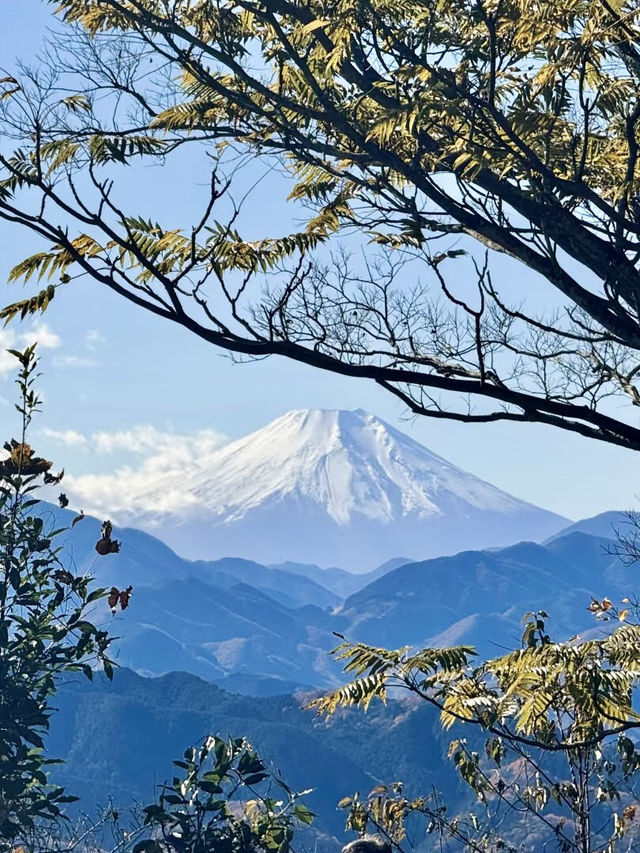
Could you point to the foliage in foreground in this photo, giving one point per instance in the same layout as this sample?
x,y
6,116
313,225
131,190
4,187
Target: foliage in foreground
x,y
220,803
45,629
552,754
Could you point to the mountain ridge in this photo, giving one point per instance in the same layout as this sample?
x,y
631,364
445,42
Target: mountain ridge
x,y
258,630
606,525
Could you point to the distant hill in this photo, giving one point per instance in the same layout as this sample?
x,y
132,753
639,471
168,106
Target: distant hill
x,y
257,629
338,580
127,732
145,559
605,525
479,597
266,631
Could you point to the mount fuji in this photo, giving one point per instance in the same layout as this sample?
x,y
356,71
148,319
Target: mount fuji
x,y
332,488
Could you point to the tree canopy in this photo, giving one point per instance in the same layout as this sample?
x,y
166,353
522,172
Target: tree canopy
x,y
446,135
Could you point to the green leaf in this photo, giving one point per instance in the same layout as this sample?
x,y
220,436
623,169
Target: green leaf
x,y
303,814
209,787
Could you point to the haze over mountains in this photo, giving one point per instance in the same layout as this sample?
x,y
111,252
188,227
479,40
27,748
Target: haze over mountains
x,y
265,632
257,629
334,488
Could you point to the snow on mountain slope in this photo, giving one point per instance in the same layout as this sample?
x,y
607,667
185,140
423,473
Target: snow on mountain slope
x,y
334,488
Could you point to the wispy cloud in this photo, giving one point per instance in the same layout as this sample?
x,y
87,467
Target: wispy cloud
x,y
67,437
17,338
151,477
74,361
145,439
94,339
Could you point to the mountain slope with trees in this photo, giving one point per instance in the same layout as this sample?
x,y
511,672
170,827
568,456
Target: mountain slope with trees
x,y
128,731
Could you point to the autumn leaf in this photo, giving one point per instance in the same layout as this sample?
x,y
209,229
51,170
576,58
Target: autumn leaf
x,y
106,545
114,596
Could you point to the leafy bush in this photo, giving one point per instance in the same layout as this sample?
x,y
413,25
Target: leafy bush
x,y
208,808
45,628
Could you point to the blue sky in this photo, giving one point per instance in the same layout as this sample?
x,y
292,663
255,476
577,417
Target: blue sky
x,y
110,370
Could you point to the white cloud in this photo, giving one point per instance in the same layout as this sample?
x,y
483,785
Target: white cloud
x,y
45,337
11,338
129,492
94,339
143,440
74,361
148,440
68,437
152,482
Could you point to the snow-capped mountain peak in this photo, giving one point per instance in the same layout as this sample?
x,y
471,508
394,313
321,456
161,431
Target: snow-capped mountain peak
x,y
327,486
345,463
